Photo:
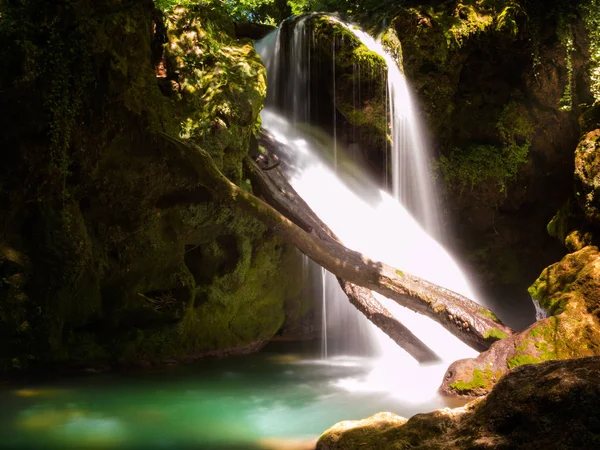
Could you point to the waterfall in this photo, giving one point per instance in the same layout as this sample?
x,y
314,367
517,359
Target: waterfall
x,y
365,218
324,340
411,180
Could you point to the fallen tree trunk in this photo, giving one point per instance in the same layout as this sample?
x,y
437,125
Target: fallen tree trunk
x,y
473,324
363,300
274,187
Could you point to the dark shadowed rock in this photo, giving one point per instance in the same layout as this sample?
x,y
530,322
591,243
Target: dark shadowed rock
x,y
252,30
551,405
587,175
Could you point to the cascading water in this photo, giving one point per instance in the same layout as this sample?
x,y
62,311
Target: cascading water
x,y
365,218
324,340
411,180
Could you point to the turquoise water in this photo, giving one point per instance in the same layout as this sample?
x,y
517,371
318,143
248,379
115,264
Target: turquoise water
x,y
270,400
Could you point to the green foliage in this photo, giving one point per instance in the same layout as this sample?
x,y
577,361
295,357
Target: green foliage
x,y
483,163
55,59
257,11
462,20
591,17
273,11
251,10
507,19
300,6
565,35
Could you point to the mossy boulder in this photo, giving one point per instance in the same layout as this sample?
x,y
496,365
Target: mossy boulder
x,y
533,407
113,250
570,227
360,84
590,119
569,292
578,239
220,83
345,86
587,175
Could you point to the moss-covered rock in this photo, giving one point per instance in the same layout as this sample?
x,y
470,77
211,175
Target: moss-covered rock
x,y
360,86
577,239
113,250
568,291
489,78
590,119
344,82
536,406
587,175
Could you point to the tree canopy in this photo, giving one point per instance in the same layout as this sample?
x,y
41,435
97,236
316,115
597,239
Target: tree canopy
x,y
274,11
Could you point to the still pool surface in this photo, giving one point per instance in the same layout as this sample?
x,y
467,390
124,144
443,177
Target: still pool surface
x,y
266,400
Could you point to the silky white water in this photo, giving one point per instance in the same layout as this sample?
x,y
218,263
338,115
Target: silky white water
x,y
370,221
411,180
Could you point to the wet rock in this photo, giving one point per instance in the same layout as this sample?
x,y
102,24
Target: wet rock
x,y
570,291
549,405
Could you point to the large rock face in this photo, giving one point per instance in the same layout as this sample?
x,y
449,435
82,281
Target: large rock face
x,y
343,85
113,250
587,175
500,97
500,87
570,291
550,405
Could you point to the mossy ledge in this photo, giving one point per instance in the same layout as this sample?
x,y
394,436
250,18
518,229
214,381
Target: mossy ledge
x,y
112,253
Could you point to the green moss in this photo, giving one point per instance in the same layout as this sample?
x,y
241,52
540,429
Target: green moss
x,y
565,35
577,239
234,311
591,17
399,273
482,379
221,84
559,337
560,224
477,165
521,360
495,333
557,284
134,249
545,345
357,69
489,314
390,41
538,291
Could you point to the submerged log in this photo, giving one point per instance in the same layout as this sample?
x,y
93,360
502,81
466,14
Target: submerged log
x,y
474,324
